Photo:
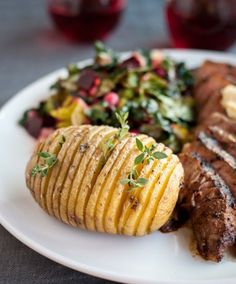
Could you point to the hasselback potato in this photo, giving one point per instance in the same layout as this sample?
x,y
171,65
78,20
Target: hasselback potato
x,y
85,176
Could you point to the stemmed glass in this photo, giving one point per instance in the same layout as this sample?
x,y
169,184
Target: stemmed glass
x,y
86,20
203,24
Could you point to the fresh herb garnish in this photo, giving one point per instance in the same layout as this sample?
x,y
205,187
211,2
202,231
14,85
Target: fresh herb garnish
x,y
62,140
147,155
133,180
122,132
109,144
124,126
49,161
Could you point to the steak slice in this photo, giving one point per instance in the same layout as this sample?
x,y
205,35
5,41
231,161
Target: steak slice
x,y
204,89
209,195
210,68
210,79
213,104
221,128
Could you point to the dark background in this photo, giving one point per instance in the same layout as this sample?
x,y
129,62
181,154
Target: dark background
x,y
29,49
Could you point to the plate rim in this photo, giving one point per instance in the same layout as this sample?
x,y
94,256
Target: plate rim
x,y
76,265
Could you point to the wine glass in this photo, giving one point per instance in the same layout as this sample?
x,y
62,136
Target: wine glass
x,y
203,24
86,20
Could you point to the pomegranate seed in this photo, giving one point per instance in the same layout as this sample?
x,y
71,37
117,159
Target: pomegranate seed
x,y
134,132
97,82
160,72
112,99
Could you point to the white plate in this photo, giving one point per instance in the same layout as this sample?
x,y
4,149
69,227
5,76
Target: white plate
x,y
157,258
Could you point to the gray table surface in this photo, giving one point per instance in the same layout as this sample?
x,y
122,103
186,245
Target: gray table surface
x,y
29,49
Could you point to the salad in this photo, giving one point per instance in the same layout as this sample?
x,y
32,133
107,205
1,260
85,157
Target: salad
x,y
154,89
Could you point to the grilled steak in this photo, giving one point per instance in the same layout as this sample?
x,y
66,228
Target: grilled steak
x,y
210,68
211,78
209,195
208,198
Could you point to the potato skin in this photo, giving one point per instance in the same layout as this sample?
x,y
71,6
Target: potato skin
x,y
83,188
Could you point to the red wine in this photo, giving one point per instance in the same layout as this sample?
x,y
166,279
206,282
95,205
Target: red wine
x,y
203,24
86,20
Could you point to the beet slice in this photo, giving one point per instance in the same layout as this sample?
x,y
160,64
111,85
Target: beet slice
x,y
87,79
33,123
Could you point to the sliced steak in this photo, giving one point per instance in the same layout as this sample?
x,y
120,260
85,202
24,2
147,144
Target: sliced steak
x,y
221,128
210,79
204,89
208,198
209,195
210,68
213,104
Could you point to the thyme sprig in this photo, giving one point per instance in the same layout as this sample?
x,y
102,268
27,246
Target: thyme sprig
x,y
147,155
133,180
122,118
49,161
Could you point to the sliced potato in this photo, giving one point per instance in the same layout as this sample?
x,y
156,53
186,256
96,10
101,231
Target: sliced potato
x,y
76,185
48,146
84,186
145,194
30,165
134,203
92,202
106,189
120,191
55,148
149,212
169,198
60,171
95,165
61,197
69,191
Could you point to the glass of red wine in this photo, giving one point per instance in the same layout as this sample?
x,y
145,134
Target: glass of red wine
x,y
202,24
86,20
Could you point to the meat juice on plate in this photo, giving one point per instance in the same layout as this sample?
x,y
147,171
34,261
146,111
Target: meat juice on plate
x,y
86,20
203,24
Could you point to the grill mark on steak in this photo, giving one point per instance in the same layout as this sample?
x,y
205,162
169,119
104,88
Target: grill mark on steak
x,y
212,144
217,180
228,137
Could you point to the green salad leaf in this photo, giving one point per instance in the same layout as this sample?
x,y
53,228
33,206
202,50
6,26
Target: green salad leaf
x,y
157,96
